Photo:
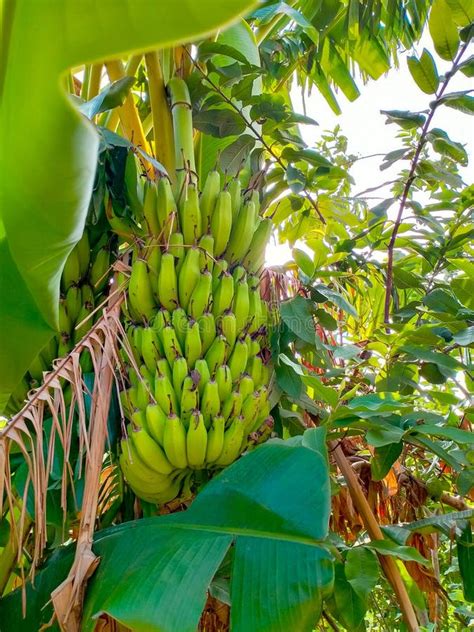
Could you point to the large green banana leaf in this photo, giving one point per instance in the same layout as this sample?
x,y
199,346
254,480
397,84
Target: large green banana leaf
x,y
270,510
48,151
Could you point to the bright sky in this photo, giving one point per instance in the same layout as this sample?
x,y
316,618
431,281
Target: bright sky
x,y
367,132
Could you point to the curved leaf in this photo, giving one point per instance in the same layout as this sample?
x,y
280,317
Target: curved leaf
x,y
48,169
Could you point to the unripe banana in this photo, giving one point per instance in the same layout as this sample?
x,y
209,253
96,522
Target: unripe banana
x,y
223,295
228,327
238,359
207,328
174,442
83,250
73,302
220,266
156,421
221,222
180,371
204,374
138,474
87,295
255,311
254,369
171,347
216,354
196,441
139,290
206,257
100,268
232,406
179,320
250,410
71,274
165,395
210,402
209,196
224,381
241,306
242,233
245,385
190,216
150,209
83,323
150,348
235,190
167,282
201,296
177,249
255,256
65,324
188,276
126,404
144,395
166,209
163,368
150,452
132,395
181,111
232,440
239,274
154,266
192,344
189,398
147,375
162,319
138,420
215,439
134,337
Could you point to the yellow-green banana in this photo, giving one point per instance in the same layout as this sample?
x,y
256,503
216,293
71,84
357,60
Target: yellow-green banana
x,y
190,215
221,222
150,209
228,327
204,375
224,381
174,442
179,371
242,233
209,195
255,255
196,441
210,402
139,290
100,270
238,359
223,295
241,306
150,452
207,328
188,276
156,421
232,440
189,398
192,343
167,282
165,395
215,439
216,354
201,296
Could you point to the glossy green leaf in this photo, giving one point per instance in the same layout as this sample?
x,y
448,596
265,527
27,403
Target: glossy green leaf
x,y
460,101
445,432
467,67
383,459
362,570
424,72
110,97
297,313
219,122
462,11
274,504
406,120
346,604
443,30
304,261
55,152
405,553
465,337
441,143
465,546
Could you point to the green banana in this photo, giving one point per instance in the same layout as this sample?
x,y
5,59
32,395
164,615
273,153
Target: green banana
x,y
193,343
150,209
250,410
196,441
171,347
255,369
215,439
150,348
232,406
83,251
224,294
84,322
167,282
165,395
228,327
137,473
162,319
221,222
239,273
156,421
174,442
177,249
242,233
235,190
224,381
215,355
144,395
71,274
166,209
189,398
210,402
146,374
206,257
220,266
138,420
241,306
100,268
154,266
209,195
245,385
255,255
207,328
232,441
181,111
188,276
73,302
238,359
139,290
204,375
179,320
190,216
150,452
163,368
201,296
180,371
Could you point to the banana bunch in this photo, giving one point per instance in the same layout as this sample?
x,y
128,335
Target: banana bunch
x,y
84,279
196,347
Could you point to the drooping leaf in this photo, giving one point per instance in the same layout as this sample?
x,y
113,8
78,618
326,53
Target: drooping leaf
x,y
460,101
406,120
110,97
406,553
362,570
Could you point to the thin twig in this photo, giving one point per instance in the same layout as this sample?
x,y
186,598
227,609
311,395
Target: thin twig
x,y
410,180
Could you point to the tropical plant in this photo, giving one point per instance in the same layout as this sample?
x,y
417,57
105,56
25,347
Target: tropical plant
x,y
147,353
